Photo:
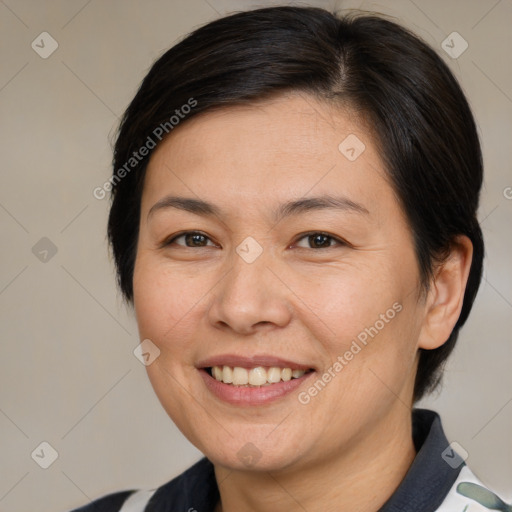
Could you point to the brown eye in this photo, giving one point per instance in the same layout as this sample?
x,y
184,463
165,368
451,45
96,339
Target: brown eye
x,y
192,239
319,240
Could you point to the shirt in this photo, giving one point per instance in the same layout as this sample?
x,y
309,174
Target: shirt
x,y
437,481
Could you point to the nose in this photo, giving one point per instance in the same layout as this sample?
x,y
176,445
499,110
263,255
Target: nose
x,y
250,297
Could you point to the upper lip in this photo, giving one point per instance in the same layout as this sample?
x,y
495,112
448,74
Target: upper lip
x,y
251,361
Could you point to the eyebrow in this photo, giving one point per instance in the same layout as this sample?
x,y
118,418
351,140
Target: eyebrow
x,y
296,207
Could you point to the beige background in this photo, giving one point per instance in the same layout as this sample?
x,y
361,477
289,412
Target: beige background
x,y
68,375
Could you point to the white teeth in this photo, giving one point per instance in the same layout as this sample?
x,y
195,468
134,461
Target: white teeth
x,y
227,374
274,374
240,376
217,372
286,374
258,376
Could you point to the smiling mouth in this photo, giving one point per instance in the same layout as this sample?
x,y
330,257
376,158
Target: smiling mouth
x,y
254,377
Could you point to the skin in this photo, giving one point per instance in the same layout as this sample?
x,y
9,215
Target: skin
x,y
352,443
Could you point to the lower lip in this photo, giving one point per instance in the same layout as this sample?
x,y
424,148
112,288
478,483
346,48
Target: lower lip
x,y
240,395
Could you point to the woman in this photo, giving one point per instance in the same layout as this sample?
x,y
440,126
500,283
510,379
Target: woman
x,y
294,222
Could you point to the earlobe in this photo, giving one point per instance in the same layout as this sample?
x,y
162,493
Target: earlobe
x,y
446,294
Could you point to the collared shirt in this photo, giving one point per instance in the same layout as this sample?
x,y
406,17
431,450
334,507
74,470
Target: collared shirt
x,y
437,481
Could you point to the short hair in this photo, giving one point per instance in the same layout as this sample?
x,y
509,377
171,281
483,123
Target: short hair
x,y
422,123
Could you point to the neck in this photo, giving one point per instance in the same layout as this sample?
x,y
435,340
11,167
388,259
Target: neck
x,y
361,478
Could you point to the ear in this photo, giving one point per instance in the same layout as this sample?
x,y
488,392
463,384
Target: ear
x,y
446,295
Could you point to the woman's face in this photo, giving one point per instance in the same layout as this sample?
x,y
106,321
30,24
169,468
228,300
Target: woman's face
x,y
256,286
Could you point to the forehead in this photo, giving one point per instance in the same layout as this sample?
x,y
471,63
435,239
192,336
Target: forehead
x,y
290,146
287,126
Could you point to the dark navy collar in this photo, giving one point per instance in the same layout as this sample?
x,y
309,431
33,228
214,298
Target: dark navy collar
x,y
423,488
195,489
430,477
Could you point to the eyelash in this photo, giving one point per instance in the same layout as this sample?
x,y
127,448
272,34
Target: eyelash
x,y
302,236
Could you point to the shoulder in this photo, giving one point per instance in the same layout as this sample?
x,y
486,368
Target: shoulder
x,y
194,488
108,503
470,494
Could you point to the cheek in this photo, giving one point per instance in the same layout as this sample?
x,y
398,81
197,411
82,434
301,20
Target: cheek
x,y
348,300
164,301
369,318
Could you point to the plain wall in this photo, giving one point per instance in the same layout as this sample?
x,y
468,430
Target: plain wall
x,y
68,374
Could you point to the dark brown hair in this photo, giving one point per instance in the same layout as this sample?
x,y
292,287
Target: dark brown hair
x,y
421,119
